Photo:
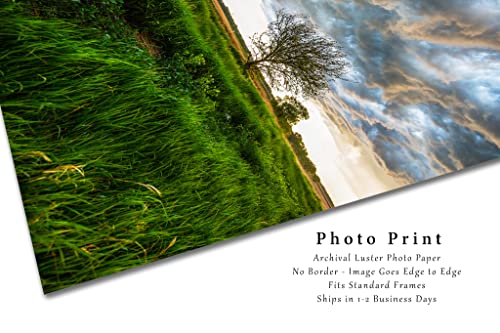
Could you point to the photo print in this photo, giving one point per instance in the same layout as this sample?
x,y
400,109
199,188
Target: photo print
x,y
141,130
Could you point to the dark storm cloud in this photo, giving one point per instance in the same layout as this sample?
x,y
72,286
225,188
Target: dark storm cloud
x,y
428,97
453,22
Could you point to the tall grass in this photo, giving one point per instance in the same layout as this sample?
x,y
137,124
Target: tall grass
x,y
124,158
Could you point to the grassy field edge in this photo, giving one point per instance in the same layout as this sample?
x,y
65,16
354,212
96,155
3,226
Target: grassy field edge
x,y
136,141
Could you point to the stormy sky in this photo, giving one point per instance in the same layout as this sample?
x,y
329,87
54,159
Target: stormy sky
x,y
423,97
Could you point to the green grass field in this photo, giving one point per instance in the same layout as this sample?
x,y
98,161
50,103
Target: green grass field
x,y
124,157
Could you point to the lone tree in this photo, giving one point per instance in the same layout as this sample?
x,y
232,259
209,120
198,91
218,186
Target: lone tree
x,y
291,110
295,56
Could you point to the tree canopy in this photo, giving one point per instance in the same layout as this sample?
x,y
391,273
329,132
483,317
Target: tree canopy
x,y
291,110
296,56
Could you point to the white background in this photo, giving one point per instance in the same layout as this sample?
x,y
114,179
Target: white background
x,y
246,285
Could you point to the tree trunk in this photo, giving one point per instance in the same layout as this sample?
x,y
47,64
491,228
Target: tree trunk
x,y
249,64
